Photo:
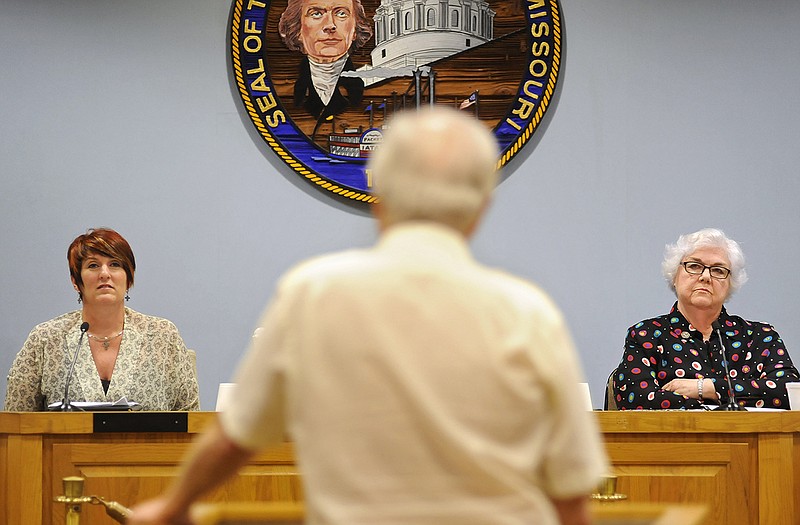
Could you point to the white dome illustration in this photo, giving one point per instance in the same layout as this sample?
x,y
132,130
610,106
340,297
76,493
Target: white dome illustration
x,y
413,33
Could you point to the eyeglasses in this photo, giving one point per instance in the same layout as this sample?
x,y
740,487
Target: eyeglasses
x,y
696,268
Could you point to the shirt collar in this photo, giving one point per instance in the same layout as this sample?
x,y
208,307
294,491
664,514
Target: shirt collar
x,y
425,239
677,319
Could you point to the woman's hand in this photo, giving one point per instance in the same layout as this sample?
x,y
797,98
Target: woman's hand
x,y
688,388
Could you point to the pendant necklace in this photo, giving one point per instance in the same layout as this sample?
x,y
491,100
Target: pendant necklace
x,y
106,341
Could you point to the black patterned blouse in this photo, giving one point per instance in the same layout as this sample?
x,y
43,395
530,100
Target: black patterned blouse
x,y
668,347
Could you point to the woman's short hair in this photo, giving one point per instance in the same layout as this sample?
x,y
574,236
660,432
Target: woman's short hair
x,y
291,22
705,238
435,164
100,241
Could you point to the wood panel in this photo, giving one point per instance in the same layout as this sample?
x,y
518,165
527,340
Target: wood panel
x,y
24,483
283,513
776,478
247,513
5,472
128,473
760,480
744,466
687,473
627,513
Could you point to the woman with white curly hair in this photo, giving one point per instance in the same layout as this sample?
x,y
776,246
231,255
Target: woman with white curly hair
x,y
678,361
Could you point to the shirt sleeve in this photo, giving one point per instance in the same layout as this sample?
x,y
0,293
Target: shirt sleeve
x,y
575,457
641,373
23,392
255,414
186,396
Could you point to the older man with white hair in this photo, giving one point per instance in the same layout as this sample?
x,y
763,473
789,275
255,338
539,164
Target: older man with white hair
x,y
419,386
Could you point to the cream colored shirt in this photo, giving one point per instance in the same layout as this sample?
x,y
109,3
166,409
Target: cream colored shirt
x,y
419,387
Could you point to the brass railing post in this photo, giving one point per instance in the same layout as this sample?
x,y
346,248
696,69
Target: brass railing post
x,y
607,490
73,498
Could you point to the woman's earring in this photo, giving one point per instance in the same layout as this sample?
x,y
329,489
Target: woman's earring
x,y
127,297
80,299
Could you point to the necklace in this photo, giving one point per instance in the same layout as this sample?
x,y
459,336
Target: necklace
x,y
105,340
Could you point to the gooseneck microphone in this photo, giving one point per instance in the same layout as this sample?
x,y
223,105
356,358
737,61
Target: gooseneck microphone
x,y
66,405
732,405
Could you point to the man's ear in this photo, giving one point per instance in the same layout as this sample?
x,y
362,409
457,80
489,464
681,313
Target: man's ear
x,y
470,230
379,212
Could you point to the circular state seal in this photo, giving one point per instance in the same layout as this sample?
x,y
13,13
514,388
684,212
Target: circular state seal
x,y
320,79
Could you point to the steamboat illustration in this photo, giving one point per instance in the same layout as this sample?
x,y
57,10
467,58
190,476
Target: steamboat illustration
x,y
410,37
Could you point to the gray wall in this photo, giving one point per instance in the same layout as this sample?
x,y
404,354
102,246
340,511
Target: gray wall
x,y
673,116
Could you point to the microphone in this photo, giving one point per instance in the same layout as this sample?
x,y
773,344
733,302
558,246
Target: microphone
x,y
732,405
66,405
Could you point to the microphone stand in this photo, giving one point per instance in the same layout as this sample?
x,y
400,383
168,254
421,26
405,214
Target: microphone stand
x,y
66,404
732,405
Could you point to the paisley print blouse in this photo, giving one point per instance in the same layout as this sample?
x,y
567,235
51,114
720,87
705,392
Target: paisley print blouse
x,y
668,347
153,367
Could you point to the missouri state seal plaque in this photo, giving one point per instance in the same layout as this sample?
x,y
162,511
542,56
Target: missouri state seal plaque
x,y
320,79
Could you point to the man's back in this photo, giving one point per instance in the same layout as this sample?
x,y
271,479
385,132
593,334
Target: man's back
x,y
419,387
424,388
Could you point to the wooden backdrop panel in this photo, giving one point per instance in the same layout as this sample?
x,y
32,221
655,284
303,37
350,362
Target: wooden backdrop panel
x,y
745,467
129,473
715,474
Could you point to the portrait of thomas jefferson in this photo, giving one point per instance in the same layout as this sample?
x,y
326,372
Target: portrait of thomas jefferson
x,y
325,31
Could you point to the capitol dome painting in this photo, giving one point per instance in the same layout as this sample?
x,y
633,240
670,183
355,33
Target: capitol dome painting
x,y
413,33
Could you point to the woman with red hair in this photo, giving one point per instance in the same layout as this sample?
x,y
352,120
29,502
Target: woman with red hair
x,y
131,355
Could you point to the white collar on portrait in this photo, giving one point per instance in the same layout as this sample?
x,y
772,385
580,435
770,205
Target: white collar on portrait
x,y
325,76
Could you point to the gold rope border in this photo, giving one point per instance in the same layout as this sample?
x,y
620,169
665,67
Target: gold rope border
x,y
287,157
548,94
347,193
